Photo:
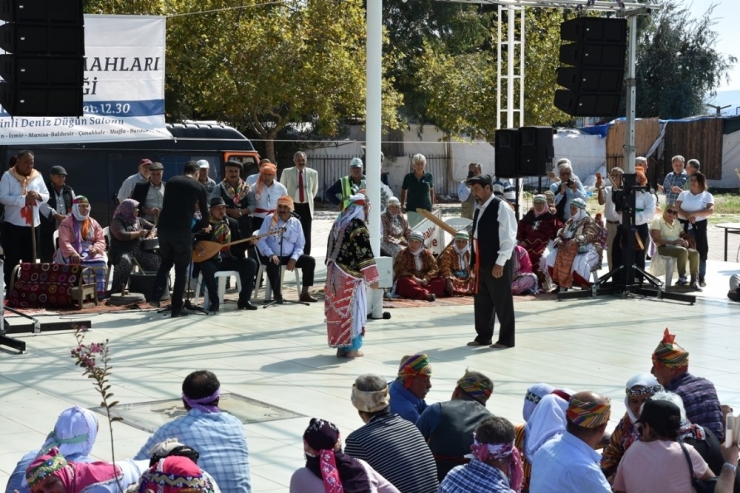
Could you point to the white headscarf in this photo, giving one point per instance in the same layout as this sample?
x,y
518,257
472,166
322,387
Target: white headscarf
x,y
76,211
534,395
645,380
74,433
546,422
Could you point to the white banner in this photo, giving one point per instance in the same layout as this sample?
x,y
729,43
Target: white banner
x,y
123,89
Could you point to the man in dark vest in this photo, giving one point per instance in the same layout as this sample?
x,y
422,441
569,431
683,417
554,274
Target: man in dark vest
x,y
494,239
448,426
54,211
150,194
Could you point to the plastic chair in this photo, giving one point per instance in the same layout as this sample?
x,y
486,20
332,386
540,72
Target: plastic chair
x,y
261,273
109,276
221,277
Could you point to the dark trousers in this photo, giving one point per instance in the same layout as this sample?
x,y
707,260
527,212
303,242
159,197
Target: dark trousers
x,y
306,263
17,246
494,299
177,251
246,267
304,211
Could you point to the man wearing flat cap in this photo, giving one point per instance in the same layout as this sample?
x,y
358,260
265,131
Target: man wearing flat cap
x,y
150,194
285,248
390,444
127,188
54,211
494,239
225,229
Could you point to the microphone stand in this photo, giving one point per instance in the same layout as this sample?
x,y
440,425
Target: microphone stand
x,y
283,301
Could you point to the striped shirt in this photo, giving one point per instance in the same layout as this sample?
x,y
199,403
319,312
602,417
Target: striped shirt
x,y
395,448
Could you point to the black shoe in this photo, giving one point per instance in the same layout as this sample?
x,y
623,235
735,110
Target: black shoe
x,y
179,312
279,299
246,305
702,283
214,309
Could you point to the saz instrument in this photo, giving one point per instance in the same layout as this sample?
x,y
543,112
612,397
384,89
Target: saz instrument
x,y
205,250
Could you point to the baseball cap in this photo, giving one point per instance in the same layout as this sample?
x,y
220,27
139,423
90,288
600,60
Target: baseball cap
x,y
203,164
145,161
658,411
356,163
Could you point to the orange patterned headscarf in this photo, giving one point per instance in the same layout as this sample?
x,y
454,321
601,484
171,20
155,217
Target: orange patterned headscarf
x,y
265,169
670,354
588,414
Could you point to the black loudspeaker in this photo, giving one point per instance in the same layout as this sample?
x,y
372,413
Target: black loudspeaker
x,y
44,67
507,152
594,82
535,150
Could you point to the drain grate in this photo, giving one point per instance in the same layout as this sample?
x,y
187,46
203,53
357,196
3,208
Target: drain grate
x,y
149,416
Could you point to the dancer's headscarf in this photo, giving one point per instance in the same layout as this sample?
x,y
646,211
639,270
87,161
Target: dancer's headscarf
x,y
324,457
74,433
500,451
266,169
534,395
670,354
175,474
640,384
74,476
412,367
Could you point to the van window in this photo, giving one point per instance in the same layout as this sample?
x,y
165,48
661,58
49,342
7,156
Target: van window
x,y
174,164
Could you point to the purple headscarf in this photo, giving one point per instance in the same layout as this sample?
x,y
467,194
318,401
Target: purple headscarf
x,y
125,212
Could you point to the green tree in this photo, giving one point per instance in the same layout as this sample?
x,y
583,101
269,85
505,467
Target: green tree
x,y
677,64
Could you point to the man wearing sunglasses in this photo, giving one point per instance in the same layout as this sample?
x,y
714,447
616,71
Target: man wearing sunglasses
x,y
666,233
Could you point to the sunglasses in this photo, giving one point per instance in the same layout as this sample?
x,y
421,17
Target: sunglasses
x,y
672,211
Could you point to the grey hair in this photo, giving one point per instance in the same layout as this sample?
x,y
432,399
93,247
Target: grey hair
x,y
300,153
678,157
617,169
370,383
694,163
670,397
640,159
564,164
418,158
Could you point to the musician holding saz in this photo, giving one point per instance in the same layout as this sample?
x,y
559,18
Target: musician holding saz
x,y
225,230
285,248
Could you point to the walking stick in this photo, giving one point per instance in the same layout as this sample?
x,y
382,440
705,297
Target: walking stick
x,y
33,238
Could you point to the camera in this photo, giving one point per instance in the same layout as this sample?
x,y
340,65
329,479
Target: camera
x,y
471,174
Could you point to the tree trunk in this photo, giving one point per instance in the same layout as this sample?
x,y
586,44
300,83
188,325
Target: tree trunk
x,y
270,146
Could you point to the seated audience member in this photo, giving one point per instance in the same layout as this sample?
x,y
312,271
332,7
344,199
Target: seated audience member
x,y
329,469
126,232
494,466
225,230
536,230
285,249
639,389
657,462
576,249
411,386
569,463
524,280
172,448
666,232
734,292
448,426
454,266
218,437
74,435
532,398
415,272
546,422
81,241
671,368
390,444
175,474
396,229
566,190
51,472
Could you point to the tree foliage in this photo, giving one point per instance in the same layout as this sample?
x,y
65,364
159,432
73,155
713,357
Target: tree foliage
x,y
677,64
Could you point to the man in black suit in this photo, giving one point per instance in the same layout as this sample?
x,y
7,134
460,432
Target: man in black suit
x,y
54,211
225,230
150,194
494,239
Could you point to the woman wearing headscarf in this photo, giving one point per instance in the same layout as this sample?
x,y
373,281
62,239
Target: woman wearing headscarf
x,y
175,474
350,264
546,422
81,241
576,249
51,472
524,281
330,470
532,398
416,273
396,229
639,388
127,230
74,434
536,230
454,266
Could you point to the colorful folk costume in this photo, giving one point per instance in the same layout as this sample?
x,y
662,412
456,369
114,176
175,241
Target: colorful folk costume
x,y
175,474
536,230
81,235
415,272
350,264
524,280
396,229
577,249
454,266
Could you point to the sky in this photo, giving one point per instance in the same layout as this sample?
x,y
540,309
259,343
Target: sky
x,y
729,34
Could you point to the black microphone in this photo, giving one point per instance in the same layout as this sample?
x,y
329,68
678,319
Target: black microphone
x,y
295,215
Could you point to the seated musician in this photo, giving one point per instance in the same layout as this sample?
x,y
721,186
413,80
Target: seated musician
x,y
224,230
577,248
81,241
285,248
127,230
536,230
454,266
415,272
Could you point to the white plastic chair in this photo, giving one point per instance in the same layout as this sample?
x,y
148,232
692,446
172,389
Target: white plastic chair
x,y
109,276
670,263
261,273
221,277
